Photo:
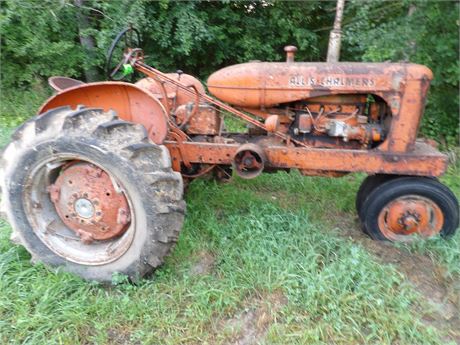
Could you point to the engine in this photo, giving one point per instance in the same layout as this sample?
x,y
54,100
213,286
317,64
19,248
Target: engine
x,y
351,121
345,120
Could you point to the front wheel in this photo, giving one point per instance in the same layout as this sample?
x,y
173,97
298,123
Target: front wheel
x,y
401,208
91,194
367,186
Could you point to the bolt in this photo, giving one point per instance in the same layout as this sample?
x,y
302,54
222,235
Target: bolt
x,y
248,161
409,222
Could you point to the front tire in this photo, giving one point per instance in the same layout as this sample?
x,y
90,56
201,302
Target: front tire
x,y
116,168
398,209
367,186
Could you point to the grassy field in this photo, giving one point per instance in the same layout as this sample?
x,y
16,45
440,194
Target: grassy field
x,y
275,260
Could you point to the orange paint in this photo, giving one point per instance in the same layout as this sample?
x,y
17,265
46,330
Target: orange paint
x,y
129,101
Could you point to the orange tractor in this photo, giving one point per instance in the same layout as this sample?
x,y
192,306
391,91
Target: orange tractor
x,y
94,182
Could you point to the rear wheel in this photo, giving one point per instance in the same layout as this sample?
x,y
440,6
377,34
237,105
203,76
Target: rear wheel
x,y
406,206
91,194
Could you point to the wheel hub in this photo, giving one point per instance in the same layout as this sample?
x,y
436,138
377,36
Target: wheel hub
x,y
84,208
411,214
89,203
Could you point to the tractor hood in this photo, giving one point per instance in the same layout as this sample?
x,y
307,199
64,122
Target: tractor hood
x,y
265,84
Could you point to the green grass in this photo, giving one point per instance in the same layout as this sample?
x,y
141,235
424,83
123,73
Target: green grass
x,y
281,266
335,290
18,105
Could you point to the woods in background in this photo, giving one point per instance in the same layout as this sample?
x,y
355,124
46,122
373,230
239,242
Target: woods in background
x,y
70,37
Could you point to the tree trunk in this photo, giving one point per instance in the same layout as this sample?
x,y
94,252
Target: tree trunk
x,y
87,42
412,44
335,37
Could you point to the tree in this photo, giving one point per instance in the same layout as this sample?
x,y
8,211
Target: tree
x,y
71,37
335,37
86,39
199,37
382,31
38,40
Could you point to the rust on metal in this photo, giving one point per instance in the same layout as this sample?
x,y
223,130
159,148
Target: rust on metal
x,y
129,101
203,120
272,123
423,161
323,118
249,161
290,53
266,84
176,96
88,202
150,71
410,214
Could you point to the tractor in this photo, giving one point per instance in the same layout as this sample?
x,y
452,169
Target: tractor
x,y
94,182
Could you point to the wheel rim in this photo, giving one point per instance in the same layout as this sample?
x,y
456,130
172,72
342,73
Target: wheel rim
x,y
78,210
409,215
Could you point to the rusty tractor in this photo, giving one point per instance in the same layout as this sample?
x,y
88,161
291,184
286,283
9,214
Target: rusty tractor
x,y
94,182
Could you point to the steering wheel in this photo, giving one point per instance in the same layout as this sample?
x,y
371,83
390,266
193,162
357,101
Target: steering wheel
x,y
126,41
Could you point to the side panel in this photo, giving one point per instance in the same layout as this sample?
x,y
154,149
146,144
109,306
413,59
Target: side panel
x,y
129,101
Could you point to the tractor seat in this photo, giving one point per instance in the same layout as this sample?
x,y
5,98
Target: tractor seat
x,y
62,83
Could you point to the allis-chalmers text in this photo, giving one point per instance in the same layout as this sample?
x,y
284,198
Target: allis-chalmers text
x,y
299,80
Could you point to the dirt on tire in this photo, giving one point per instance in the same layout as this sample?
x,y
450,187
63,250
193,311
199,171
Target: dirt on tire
x,y
118,147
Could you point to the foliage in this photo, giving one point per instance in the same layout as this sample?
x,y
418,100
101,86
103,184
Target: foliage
x,y
195,36
38,41
17,107
201,36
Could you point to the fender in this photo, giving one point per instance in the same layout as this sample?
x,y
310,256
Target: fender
x,y
131,103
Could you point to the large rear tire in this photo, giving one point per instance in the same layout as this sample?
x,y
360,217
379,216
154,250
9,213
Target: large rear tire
x,y
114,165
